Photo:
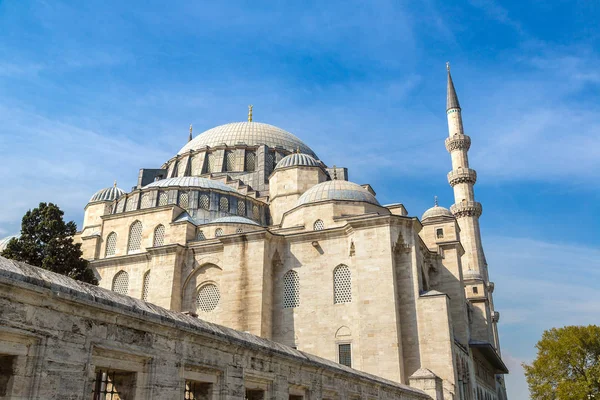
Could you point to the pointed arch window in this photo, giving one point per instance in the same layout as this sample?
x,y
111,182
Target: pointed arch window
x,y
134,244
224,204
146,285
218,232
342,285
291,289
111,244
200,236
229,160
120,283
159,236
318,225
241,207
250,163
256,213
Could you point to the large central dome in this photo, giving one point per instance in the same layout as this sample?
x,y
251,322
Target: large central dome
x,y
249,134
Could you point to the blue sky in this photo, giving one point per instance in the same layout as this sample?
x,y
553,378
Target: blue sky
x,y
92,91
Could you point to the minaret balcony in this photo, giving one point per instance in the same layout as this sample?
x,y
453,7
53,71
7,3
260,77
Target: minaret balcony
x,y
466,209
462,175
458,142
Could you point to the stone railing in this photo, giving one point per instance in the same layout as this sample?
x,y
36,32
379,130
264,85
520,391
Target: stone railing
x,y
462,175
458,142
466,209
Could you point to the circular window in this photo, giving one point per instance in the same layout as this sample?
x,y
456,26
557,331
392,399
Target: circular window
x,y
208,297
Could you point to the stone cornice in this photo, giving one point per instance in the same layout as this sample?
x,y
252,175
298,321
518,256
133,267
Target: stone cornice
x,y
466,209
462,175
458,142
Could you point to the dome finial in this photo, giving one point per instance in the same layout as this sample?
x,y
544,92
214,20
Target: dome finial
x,y
250,113
334,173
190,137
115,184
298,150
435,201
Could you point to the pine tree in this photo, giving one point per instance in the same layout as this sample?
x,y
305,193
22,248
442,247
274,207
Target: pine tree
x,y
46,241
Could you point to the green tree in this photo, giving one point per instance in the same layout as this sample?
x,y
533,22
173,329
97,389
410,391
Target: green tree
x,y
567,366
46,241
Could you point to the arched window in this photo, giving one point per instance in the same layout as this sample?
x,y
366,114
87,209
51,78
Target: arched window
x,y
163,198
256,213
318,225
135,237
210,162
200,236
159,236
132,203
250,162
111,244
146,285
229,160
224,204
342,285
120,283
184,200
146,201
208,297
241,207
204,202
218,232
291,290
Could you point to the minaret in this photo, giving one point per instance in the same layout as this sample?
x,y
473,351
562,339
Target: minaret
x,y
462,178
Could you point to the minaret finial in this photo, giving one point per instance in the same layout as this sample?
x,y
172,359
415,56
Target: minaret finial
x,y
250,113
334,173
448,65
435,201
115,184
190,137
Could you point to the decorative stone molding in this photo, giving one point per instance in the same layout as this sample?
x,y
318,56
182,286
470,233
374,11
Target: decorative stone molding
x,y
458,142
466,209
462,175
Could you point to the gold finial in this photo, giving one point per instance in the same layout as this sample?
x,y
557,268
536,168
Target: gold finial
x,y
448,65
298,150
435,201
250,113
115,184
334,173
190,137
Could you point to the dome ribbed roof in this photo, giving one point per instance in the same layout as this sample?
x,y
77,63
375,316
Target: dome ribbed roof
x,y
233,220
108,194
337,190
191,181
296,159
4,241
248,133
436,211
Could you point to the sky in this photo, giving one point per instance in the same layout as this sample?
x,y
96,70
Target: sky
x,y
93,91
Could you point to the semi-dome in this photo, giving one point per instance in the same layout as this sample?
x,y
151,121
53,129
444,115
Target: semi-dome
x,y
4,241
436,211
249,134
190,181
233,220
337,190
297,159
107,194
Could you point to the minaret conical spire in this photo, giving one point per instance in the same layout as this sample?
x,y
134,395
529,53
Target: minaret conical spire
x,y
190,136
451,97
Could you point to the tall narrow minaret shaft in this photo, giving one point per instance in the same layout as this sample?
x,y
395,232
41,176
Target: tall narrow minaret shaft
x,y
462,178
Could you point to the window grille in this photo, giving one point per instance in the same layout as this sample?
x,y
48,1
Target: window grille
x,y
241,207
108,208
112,385
318,225
342,285
239,230
146,286
210,162
204,202
208,297
250,163
184,200
120,283
218,232
255,213
159,236
146,201
163,198
121,205
132,203
135,237
111,244
439,233
229,160
271,160
291,290
200,236
345,354
224,204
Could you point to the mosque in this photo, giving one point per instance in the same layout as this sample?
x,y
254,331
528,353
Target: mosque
x,y
246,227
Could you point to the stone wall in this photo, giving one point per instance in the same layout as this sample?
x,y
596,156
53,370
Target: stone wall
x,y
60,339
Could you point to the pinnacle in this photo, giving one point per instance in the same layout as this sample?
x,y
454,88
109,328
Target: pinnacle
x,y
451,97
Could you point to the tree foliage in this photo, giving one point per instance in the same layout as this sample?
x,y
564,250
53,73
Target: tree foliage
x,y
567,366
46,241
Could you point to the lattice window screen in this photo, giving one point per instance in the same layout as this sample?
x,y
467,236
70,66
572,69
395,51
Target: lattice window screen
x,y
224,204
271,160
208,297
241,207
111,244
121,205
255,213
210,163
132,203
163,198
342,285
159,236
146,286
204,202
218,232
229,160
318,225
184,200
345,354
250,162
121,283
146,201
291,290
135,237
200,236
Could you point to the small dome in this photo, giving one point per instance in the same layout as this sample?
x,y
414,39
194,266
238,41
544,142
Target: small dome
x,y
191,181
233,220
108,194
4,241
337,190
471,274
248,133
297,159
436,211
